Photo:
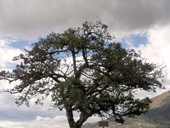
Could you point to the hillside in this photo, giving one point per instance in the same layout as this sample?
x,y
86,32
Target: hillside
x,y
157,117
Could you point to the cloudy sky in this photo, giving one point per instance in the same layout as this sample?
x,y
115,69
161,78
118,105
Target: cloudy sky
x,y
140,24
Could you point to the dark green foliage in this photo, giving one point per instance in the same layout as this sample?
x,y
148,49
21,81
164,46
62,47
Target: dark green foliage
x,y
84,70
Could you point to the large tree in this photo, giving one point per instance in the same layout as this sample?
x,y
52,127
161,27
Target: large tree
x,y
84,70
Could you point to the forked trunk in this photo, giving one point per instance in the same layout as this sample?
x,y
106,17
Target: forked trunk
x,y
70,118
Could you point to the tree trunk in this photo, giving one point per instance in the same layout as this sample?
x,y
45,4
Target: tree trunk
x,y
70,118
82,119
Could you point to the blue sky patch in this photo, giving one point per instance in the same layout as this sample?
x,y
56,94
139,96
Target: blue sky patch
x,y
17,43
134,40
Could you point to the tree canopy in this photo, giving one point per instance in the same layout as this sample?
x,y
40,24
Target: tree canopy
x,y
84,70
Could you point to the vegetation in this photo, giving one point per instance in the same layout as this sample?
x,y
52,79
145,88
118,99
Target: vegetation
x,y
84,70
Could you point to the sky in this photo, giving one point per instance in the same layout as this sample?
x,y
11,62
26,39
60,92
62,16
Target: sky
x,y
140,24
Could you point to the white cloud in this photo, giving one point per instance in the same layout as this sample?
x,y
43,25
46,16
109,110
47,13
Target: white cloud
x,y
41,122
158,47
157,50
6,54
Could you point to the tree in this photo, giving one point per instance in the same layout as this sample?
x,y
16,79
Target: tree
x,y
84,70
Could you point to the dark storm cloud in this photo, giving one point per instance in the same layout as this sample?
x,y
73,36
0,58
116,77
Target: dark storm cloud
x,y
38,17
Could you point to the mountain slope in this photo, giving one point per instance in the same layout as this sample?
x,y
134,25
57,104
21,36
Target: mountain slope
x,y
157,117
160,110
